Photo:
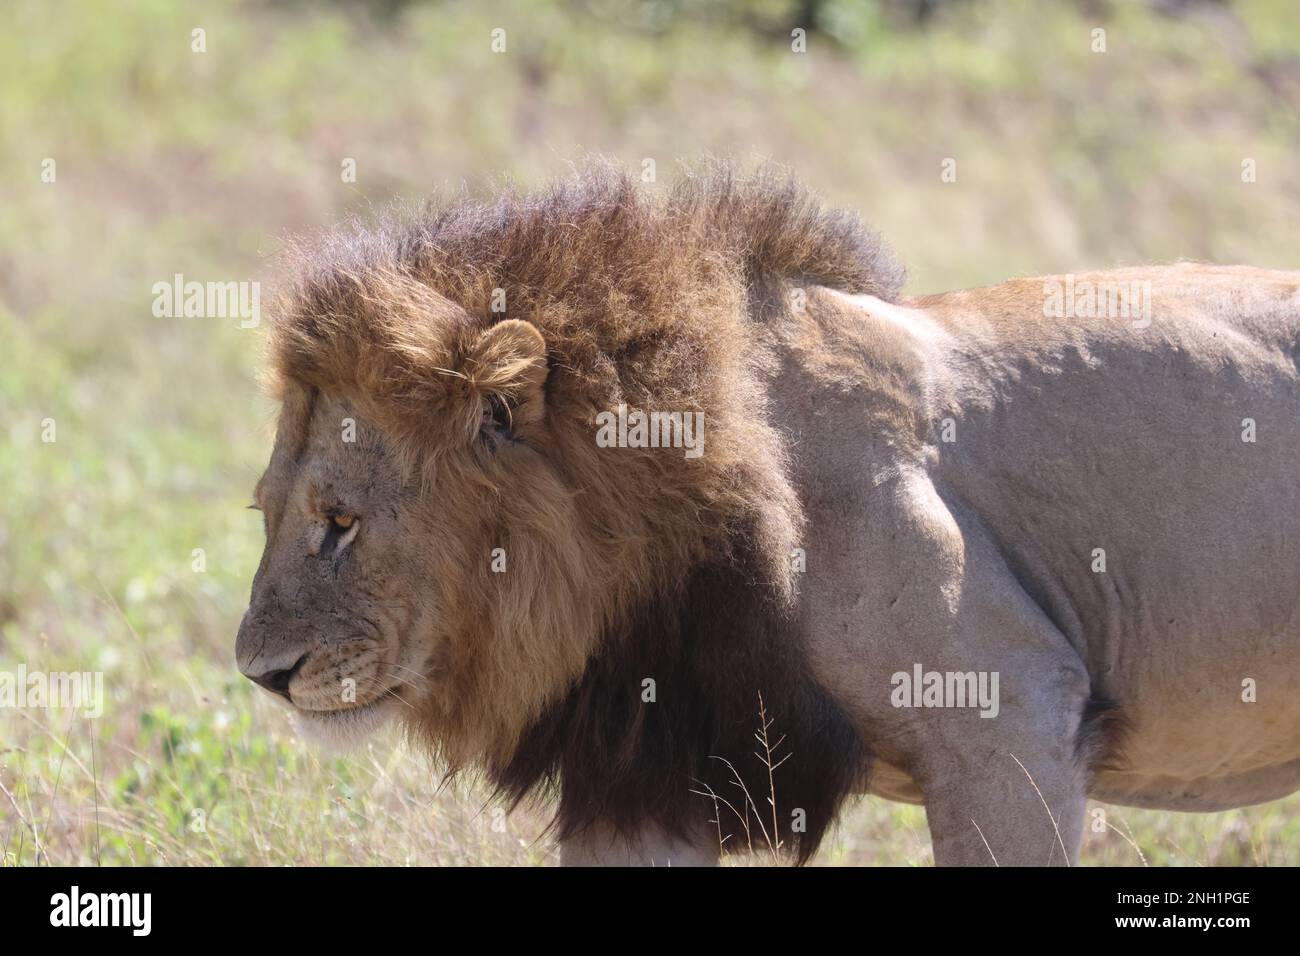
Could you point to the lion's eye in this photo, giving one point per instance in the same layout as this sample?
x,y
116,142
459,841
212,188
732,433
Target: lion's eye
x,y
338,533
496,417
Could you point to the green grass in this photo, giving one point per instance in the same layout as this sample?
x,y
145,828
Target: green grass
x,y
172,161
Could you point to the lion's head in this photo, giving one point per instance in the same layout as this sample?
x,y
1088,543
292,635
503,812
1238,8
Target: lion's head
x,y
449,544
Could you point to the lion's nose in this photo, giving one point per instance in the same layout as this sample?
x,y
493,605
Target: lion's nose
x,y
267,653
274,679
277,681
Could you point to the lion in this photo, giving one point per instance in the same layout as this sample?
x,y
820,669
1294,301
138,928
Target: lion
x,y
993,551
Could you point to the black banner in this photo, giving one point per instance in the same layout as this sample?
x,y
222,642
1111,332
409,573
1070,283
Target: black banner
x,y
350,906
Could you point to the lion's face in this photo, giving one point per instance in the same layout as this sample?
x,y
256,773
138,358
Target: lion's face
x,y
414,589
339,621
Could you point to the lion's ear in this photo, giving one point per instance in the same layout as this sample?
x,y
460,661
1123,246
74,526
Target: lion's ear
x,y
506,370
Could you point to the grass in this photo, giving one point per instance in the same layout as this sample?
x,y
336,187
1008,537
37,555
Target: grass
x,y
173,161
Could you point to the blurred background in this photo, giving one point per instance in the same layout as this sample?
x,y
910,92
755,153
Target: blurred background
x,y
125,546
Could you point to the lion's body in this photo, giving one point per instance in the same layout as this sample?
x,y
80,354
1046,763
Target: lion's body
x,y
1074,507
978,553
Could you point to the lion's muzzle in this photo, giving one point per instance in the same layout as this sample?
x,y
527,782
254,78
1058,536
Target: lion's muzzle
x,y
263,662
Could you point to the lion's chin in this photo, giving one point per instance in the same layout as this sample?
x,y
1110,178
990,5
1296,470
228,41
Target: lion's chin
x,y
339,731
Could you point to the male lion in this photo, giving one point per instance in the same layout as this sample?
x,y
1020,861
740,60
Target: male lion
x,y
1015,549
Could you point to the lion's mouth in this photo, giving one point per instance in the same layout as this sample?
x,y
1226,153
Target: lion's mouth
x,y
389,697
343,729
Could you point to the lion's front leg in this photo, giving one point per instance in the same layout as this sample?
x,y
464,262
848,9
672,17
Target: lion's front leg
x,y
600,845
1014,809
999,740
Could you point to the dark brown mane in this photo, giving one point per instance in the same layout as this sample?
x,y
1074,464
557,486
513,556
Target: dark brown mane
x,y
711,650
631,284
603,265
602,223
